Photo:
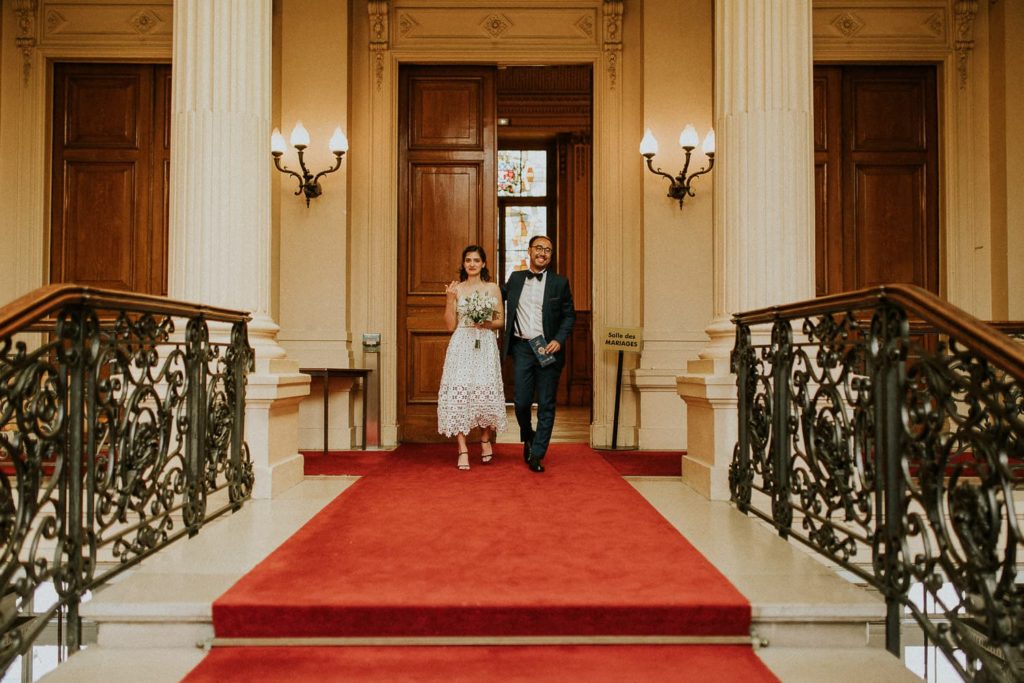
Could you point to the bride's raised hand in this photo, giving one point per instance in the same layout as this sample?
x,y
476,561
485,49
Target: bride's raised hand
x,y
452,290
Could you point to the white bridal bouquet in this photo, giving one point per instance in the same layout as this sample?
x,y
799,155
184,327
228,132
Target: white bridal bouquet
x,y
478,308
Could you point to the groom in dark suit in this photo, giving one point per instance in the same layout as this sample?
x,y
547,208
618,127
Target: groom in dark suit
x,y
538,302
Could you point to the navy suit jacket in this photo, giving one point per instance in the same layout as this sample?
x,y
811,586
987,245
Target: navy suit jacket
x,y
557,313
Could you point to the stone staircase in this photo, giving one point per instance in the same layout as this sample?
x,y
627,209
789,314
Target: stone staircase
x,y
809,624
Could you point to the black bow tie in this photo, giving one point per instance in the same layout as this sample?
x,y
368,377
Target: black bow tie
x,y
530,275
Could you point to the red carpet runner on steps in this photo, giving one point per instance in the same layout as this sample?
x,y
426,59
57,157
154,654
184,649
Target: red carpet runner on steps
x,y
419,549
359,463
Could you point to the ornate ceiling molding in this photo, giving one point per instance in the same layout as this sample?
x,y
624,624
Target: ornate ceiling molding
x,y
25,12
612,38
964,12
145,21
379,11
848,24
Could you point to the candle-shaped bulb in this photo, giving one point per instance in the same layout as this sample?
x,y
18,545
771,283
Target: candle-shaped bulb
x,y
688,138
648,145
300,136
709,142
277,145
339,143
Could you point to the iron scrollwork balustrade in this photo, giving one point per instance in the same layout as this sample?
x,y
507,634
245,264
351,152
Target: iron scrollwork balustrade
x,y
117,436
888,436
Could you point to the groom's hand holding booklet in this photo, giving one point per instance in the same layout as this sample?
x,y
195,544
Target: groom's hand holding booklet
x,y
538,344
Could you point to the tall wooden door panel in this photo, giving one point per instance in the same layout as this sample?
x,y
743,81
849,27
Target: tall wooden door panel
x,y
111,149
876,162
446,201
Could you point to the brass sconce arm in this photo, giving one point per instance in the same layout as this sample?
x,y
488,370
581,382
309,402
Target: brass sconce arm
x,y
309,184
680,186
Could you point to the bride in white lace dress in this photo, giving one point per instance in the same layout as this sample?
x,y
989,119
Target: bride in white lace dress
x,y
471,393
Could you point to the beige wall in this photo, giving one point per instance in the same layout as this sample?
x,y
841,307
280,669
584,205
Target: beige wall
x,y
312,273
677,242
9,87
1012,87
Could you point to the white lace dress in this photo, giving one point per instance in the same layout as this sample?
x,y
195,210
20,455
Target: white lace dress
x,y
471,393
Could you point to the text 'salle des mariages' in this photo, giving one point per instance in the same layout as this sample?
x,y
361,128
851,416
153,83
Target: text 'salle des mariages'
x,y
624,340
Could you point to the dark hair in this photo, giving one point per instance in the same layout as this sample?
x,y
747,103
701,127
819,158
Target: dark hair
x,y
540,237
485,274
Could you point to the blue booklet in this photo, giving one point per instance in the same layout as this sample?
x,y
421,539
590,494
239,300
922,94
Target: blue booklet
x,y
537,344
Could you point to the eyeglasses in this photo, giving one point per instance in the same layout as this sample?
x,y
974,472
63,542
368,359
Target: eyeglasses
x,y
542,250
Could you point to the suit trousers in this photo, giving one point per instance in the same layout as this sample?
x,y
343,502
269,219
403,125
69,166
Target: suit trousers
x,y
531,377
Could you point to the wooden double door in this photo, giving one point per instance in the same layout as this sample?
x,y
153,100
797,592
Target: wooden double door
x,y
447,200
876,177
111,148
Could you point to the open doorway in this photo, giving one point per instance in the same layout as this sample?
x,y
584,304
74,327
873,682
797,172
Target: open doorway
x,y
455,123
544,188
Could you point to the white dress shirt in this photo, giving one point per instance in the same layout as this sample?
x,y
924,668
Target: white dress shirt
x,y
529,318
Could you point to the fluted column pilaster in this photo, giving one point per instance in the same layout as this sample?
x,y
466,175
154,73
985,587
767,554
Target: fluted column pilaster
x,y
219,235
764,199
220,202
764,205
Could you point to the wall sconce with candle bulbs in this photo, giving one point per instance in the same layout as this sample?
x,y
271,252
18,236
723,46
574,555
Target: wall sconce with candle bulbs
x,y
680,186
309,184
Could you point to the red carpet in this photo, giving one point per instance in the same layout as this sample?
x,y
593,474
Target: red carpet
x,y
417,548
352,463
542,664
626,463
646,463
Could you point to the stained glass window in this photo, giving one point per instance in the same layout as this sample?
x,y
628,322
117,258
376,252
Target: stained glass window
x,y
522,173
524,206
522,223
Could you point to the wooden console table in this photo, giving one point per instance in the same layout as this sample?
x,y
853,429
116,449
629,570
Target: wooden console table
x,y
325,375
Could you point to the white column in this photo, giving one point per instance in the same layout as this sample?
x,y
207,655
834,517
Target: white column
x,y
220,206
764,206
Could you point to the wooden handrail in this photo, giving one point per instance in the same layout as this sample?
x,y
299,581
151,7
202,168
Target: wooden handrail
x,y
21,313
917,302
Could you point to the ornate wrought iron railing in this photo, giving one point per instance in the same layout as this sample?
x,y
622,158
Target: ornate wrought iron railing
x,y
884,428
120,420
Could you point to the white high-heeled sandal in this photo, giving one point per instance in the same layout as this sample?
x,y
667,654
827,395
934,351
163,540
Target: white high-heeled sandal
x,y
463,460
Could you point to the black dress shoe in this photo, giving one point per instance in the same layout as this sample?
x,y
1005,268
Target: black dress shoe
x,y
535,466
527,450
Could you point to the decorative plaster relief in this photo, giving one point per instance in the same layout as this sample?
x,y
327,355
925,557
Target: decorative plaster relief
x,y
612,38
935,24
106,24
586,24
406,24
476,26
496,25
55,21
379,11
25,12
145,21
848,24
876,24
964,13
